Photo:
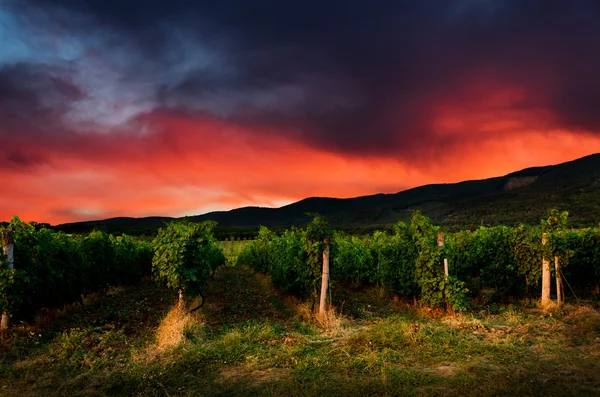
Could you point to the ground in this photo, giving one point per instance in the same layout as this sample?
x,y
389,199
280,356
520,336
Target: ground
x,y
250,340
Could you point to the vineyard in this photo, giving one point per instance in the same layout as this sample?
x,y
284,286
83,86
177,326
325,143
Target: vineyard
x,y
53,268
490,264
401,325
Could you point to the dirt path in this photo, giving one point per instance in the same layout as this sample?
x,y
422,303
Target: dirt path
x,y
237,295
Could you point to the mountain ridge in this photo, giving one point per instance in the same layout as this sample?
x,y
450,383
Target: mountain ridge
x,y
573,186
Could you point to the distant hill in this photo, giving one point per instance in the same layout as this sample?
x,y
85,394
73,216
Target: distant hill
x,y
520,197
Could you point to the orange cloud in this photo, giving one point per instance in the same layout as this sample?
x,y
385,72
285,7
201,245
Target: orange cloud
x,y
186,166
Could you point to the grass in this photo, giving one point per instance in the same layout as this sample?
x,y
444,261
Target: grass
x,y
250,341
232,248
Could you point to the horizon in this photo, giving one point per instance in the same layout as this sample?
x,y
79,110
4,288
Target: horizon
x,y
321,197
128,109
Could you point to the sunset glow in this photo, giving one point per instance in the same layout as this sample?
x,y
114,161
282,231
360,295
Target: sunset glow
x,y
121,120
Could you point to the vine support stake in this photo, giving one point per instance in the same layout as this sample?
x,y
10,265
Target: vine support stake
x,y
324,280
559,284
546,282
8,248
441,241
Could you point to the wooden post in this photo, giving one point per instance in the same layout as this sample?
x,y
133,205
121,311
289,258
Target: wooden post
x,y
441,241
545,277
8,250
559,286
180,301
324,280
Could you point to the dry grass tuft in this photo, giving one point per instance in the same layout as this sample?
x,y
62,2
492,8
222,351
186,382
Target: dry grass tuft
x,y
332,321
436,313
170,331
299,308
549,308
169,334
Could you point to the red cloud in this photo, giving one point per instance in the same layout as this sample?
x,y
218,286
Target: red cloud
x,y
187,166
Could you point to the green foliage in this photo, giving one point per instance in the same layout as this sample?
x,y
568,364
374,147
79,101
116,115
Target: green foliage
x,y
428,273
381,258
353,261
185,256
395,257
555,228
457,294
483,259
313,242
10,280
52,268
292,259
136,254
401,262
583,270
526,250
496,262
256,253
290,266
434,288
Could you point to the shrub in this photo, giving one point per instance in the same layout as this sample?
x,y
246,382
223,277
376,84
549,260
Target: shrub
x,y
185,256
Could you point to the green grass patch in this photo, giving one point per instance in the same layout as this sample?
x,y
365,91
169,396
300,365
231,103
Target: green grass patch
x,y
232,248
247,341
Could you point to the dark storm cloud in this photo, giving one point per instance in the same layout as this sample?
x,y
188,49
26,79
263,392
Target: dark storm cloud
x,y
352,76
33,102
34,97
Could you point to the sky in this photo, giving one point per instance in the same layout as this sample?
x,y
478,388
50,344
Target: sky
x,y
149,107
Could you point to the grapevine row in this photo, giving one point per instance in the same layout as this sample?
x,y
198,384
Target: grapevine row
x,y
491,263
52,268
